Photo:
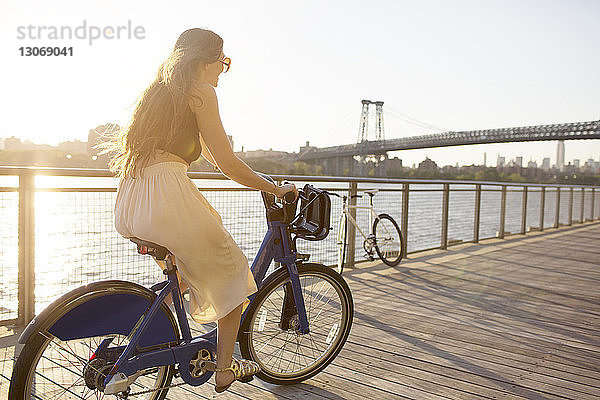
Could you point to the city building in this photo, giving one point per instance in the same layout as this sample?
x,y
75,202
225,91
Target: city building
x,y
501,162
428,165
393,163
13,143
270,154
519,162
546,163
591,166
73,147
306,149
560,155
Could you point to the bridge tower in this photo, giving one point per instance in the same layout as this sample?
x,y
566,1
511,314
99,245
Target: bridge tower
x,y
363,131
379,135
365,160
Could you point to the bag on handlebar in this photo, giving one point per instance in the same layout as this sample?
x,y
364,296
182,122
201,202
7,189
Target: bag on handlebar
x,y
315,207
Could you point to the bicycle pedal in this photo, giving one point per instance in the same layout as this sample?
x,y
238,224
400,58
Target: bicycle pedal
x,y
208,365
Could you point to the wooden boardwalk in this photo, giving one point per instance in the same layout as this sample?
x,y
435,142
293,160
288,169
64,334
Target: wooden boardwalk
x,y
514,318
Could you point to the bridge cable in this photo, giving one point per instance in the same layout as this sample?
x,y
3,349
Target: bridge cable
x,y
398,114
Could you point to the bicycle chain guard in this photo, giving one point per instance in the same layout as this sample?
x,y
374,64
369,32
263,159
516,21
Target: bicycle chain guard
x,y
201,364
195,364
195,361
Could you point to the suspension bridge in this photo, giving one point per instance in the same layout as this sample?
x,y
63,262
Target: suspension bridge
x,y
336,159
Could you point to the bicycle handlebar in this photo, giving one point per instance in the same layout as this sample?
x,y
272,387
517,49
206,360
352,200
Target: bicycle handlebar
x,y
290,203
344,196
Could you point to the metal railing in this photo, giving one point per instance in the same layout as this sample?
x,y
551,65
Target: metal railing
x,y
57,237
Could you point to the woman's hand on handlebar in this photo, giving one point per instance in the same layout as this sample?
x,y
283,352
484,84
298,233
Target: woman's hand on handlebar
x,y
284,189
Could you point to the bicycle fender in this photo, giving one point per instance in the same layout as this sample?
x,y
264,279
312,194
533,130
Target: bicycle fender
x,y
98,309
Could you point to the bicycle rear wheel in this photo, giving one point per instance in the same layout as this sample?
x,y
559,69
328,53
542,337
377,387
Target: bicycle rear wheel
x,y
341,242
50,368
388,240
269,335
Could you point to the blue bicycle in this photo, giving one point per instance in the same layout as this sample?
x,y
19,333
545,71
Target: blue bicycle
x,y
118,338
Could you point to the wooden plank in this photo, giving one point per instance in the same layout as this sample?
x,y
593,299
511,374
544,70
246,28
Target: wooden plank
x,y
469,301
429,325
552,331
524,357
446,374
506,372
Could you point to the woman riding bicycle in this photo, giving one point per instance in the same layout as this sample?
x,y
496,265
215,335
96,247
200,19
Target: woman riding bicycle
x,y
175,121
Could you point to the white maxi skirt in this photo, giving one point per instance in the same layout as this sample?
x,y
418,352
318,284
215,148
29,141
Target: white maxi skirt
x,y
164,206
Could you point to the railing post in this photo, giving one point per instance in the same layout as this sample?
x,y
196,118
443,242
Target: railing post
x,y
582,220
593,195
571,206
477,217
445,206
352,191
524,212
26,280
557,217
542,206
405,192
502,213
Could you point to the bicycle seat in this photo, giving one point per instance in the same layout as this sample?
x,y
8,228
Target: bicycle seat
x,y
155,250
372,192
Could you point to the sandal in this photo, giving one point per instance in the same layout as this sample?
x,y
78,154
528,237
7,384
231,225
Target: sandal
x,y
243,371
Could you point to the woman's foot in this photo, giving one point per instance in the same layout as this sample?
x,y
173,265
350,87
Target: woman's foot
x,y
241,370
223,380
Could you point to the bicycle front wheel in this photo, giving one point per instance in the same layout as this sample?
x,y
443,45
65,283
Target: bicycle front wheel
x,y
50,368
269,333
341,242
388,240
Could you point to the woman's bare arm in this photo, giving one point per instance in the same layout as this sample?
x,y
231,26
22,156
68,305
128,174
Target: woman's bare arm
x,y
206,153
205,106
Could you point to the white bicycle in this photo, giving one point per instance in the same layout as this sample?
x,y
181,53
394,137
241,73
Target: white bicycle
x,y
384,236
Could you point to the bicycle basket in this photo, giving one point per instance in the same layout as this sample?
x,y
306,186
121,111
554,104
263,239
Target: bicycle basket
x,y
315,209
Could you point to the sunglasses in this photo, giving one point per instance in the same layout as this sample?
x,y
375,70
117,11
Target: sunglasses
x,y
227,63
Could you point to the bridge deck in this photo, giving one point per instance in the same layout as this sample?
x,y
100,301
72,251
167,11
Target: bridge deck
x,y
516,318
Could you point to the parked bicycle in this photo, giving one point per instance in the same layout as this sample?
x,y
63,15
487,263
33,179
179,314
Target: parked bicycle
x,y
384,236
118,338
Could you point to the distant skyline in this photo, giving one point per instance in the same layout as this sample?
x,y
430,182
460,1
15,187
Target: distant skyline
x,y
300,71
82,147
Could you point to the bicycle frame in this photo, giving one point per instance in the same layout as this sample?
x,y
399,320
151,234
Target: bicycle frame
x,y
276,246
372,215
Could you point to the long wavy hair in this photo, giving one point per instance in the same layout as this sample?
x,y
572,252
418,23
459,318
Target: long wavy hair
x,y
162,108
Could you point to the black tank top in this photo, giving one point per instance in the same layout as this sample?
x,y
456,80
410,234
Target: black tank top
x,y
187,142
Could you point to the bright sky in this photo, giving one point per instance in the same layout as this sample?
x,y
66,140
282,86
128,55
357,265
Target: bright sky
x,y
300,69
